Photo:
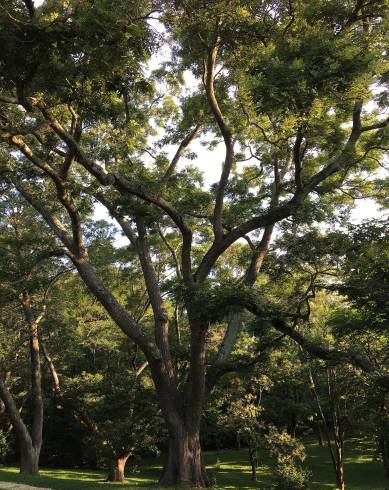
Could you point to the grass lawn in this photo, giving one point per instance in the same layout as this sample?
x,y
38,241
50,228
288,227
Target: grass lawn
x,y
361,472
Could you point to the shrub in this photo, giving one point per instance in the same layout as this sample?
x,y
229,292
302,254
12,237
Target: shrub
x,y
3,444
289,476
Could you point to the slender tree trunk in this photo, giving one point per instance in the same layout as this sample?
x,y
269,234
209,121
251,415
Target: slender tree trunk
x,y
384,450
31,456
383,435
37,400
339,468
337,427
253,462
56,387
253,472
326,428
293,427
117,468
319,433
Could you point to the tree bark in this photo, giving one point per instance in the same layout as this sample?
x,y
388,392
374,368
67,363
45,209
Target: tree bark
x,y
384,450
117,468
29,455
184,465
339,468
29,459
32,456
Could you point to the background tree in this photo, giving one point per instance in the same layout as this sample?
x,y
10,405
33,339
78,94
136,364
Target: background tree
x,y
26,279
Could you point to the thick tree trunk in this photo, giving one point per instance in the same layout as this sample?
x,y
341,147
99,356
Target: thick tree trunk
x,y
29,459
116,471
30,443
29,454
184,465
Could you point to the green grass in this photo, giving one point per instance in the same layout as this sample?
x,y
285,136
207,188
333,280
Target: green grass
x,y
361,472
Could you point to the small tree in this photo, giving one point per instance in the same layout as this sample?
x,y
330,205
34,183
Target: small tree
x,y
289,474
242,417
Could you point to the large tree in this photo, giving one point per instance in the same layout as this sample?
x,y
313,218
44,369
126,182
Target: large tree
x,y
285,83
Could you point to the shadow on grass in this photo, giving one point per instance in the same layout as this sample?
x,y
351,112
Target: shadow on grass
x,y
73,480
229,469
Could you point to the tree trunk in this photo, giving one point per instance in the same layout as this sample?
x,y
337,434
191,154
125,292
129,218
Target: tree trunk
x,y
337,455
184,465
29,459
253,472
293,427
36,390
32,455
383,436
253,462
384,450
116,471
337,427
30,443
319,433
339,469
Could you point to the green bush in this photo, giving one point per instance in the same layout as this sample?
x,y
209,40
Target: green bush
x,y
289,476
3,444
